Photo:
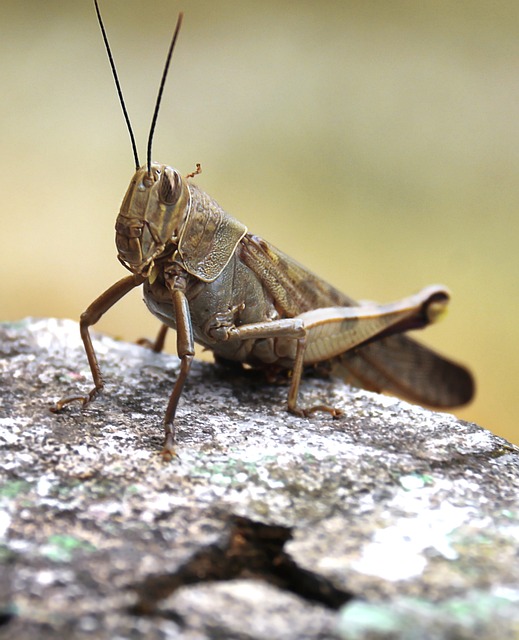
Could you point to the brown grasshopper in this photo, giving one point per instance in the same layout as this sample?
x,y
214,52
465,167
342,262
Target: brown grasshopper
x,y
234,293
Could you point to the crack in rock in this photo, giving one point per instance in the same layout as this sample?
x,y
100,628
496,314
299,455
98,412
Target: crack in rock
x,y
253,550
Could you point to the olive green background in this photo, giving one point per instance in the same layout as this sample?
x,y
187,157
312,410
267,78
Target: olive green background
x,y
375,142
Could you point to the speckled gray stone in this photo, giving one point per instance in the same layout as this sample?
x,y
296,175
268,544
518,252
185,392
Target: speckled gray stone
x,y
390,522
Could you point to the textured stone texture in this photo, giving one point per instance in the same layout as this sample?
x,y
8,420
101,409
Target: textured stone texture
x,y
390,522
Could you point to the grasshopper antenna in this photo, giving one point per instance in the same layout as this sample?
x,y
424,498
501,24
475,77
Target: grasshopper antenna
x,y
118,86
161,89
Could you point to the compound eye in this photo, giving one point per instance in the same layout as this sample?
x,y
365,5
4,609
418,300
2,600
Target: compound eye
x,y
170,186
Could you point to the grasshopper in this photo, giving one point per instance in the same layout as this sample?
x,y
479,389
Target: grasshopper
x,y
207,277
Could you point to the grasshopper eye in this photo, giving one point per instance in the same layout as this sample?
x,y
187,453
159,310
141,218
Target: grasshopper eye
x,y
170,186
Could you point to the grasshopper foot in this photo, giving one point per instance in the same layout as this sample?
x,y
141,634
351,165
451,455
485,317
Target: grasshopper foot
x,y
145,342
156,345
168,450
60,404
335,413
307,413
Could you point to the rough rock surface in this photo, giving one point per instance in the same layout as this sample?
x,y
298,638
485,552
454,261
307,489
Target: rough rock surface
x,y
390,522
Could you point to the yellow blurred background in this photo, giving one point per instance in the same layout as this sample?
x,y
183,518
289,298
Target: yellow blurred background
x,y
375,142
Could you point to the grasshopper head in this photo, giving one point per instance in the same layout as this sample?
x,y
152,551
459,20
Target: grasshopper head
x,y
151,215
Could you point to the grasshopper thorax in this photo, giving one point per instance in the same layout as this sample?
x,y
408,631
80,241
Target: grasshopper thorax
x,y
151,216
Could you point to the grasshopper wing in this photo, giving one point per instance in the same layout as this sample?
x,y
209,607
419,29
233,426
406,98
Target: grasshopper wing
x,y
292,287
406,368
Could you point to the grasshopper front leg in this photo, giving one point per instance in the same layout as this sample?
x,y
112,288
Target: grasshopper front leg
x,y
90,317
185,351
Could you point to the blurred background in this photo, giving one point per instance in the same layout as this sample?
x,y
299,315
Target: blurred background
x,y
375,142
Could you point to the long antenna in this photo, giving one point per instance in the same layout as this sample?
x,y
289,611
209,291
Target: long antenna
x,y
161,89
118,86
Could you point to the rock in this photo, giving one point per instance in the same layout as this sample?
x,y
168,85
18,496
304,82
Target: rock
x,y
389,522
